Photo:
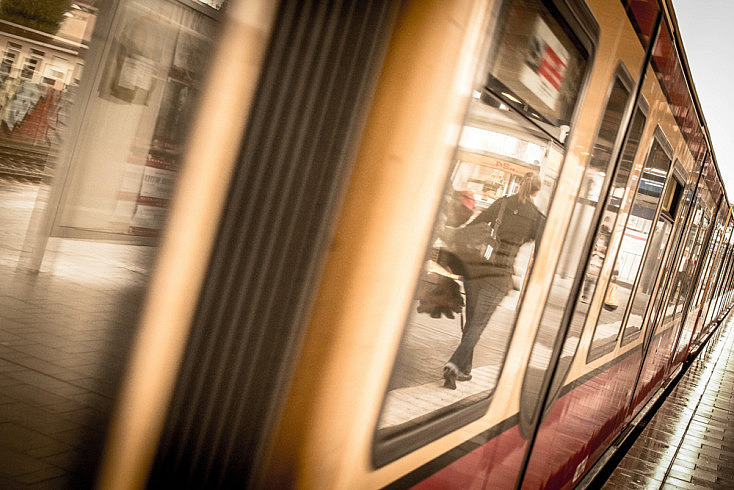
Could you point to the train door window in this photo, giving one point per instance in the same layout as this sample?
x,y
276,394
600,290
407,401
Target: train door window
x,y
684,269
707,270
700,254
642,232
504,171
719,246
723,273
671,206
587,202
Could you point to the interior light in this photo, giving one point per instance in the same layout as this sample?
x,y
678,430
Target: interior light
x,y
511,97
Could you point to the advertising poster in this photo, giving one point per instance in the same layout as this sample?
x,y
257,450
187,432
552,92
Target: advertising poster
x,y
156,191
545,65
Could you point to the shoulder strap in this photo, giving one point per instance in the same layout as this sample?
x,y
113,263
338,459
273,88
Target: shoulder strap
x,y
498,221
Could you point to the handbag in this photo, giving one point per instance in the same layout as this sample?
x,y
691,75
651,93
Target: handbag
x,y
476,242
439,295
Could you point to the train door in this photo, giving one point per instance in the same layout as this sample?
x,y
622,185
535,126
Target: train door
x,y
548,412
698,257
718,270
707,277
244,243
660,316
658,340
670,311
726,272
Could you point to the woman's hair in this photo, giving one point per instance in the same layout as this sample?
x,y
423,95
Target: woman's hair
x,y
529,185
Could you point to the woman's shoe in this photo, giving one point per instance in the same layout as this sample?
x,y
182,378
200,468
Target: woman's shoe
x,y
449,377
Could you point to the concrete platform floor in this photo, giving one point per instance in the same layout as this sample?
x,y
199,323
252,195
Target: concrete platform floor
x,y
64,335
689,442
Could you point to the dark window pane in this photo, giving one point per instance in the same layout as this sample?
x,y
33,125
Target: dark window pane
x,y
638,231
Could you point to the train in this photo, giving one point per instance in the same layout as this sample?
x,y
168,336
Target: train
x,y
309,292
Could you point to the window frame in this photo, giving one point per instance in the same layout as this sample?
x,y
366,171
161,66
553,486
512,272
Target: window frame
x,y
578,22
659,138
529,405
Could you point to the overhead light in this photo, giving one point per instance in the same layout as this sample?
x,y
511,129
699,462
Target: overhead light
x,y
511,97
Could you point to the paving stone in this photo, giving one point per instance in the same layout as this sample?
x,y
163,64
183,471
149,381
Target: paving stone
x,y
63,340
702,416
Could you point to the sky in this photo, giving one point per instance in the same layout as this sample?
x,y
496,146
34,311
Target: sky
x,y
707,30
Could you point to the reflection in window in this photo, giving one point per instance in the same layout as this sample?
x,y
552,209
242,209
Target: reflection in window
x,y
725,270
31,64
491,218
540,80
707,275
631,251
718,251
697,275
573,249
122,180
686,267
12,52
653,261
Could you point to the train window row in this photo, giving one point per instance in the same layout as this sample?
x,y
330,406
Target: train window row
x,y
502,183
601,344
560,303
638,211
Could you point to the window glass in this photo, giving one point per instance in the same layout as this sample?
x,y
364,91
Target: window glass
x,y
553,313
716,270
676,204
725,269
491,218
540,79
697,256
686,267
122,180
641,224
644,292
30,65
12,52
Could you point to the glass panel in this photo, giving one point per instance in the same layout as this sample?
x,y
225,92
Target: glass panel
x,y
677,206
572,250
686,267
644,292
542,77
694,278
615,199
12,52
69,345
716,268
123,178
721,274
492,215
643,14
629,259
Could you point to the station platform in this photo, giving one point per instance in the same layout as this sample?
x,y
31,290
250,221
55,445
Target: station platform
x,y
65,333
688,443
